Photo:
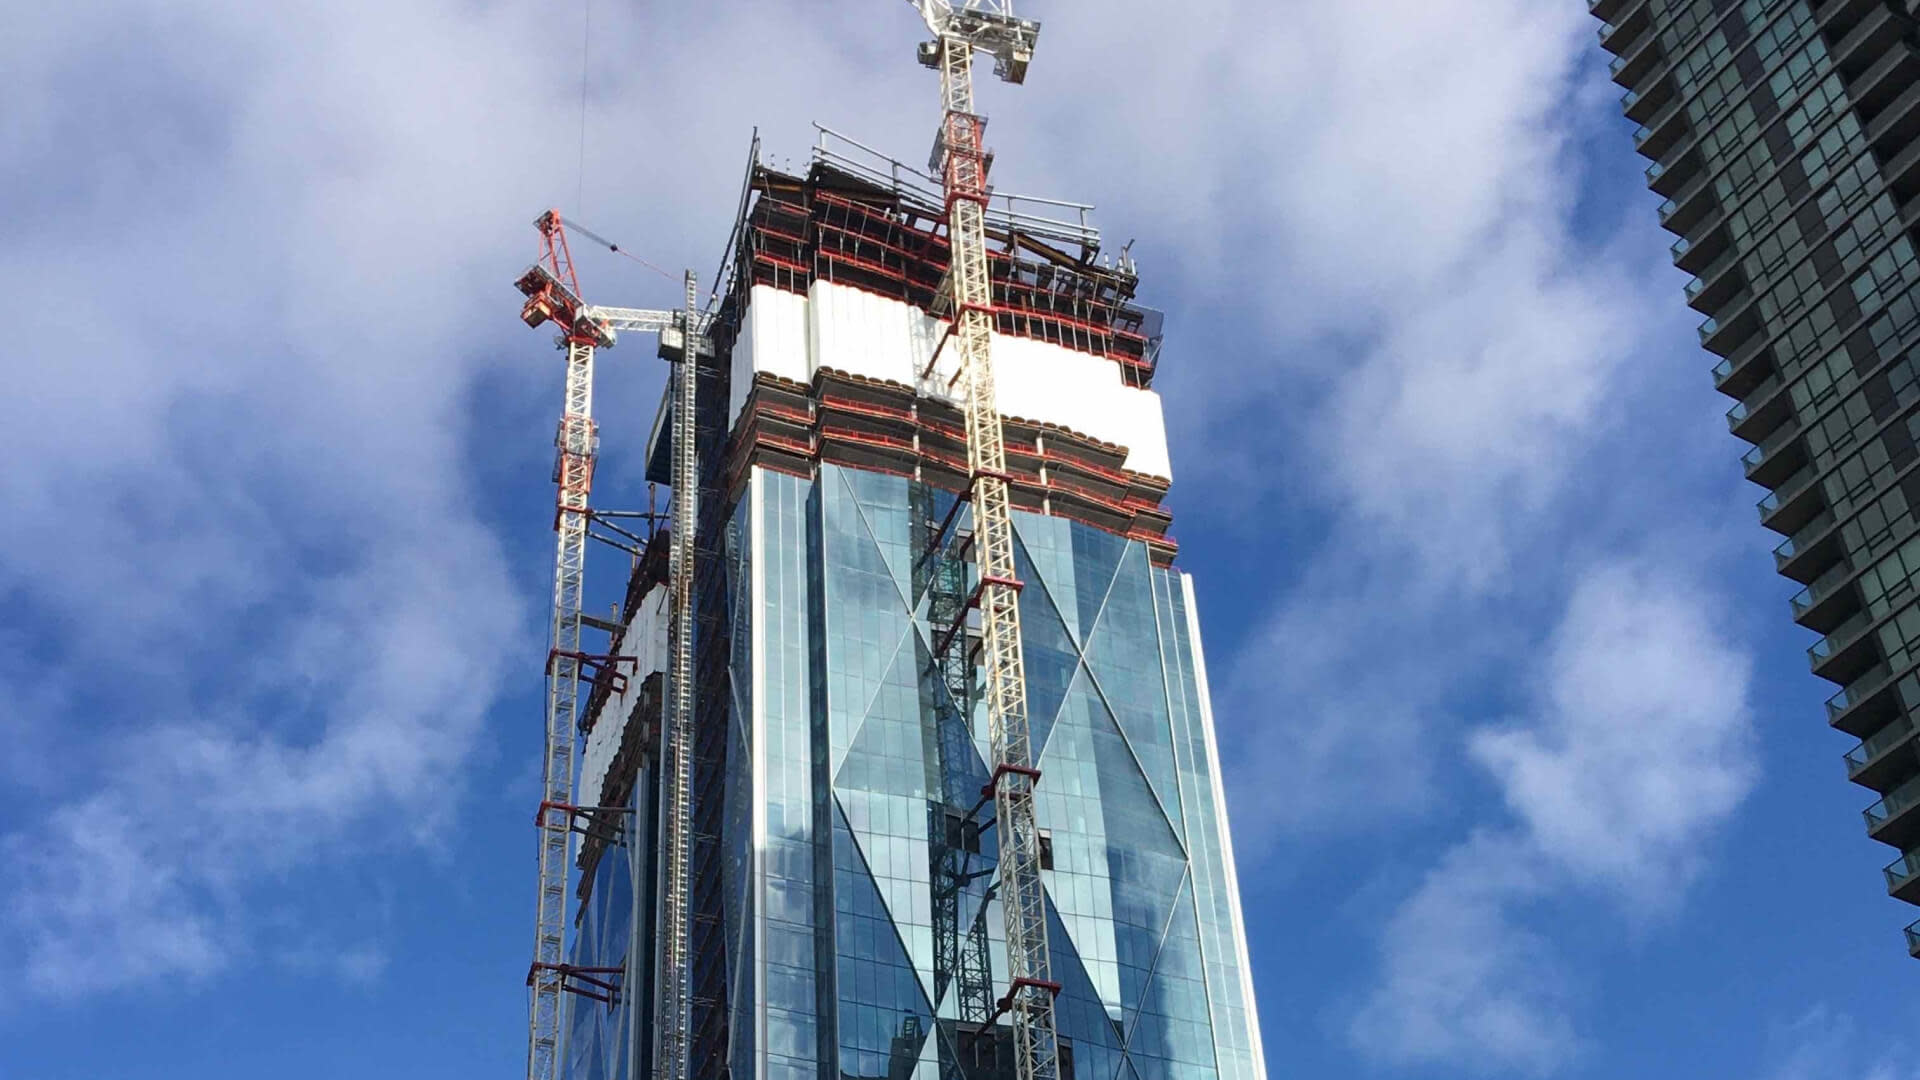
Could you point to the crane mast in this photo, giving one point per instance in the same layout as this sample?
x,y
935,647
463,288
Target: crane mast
x,y
553,295
961,158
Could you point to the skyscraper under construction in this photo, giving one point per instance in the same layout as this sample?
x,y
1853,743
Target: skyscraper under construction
x,y
1785,136
843,882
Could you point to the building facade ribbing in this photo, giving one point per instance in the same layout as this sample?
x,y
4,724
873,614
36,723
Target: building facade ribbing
x,y
845,917
1785,138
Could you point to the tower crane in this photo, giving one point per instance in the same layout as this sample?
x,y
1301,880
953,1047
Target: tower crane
x,y
960,157
552,294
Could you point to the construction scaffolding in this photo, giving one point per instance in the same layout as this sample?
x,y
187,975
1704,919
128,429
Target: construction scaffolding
x,y
673,979
855,218
1044,262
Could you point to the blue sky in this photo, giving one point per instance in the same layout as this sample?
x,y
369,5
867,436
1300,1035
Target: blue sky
x,y
1528,774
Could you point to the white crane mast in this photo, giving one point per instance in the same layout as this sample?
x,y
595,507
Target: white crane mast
x,y
961,158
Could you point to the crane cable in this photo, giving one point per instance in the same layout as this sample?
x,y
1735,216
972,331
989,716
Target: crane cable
x,y
580,175
613,247
586,46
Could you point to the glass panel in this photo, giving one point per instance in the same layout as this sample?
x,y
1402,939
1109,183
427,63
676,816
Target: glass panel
x,y
1891,735
1124,654
1048,544
883,1010
1049,652
1897,800
1901,869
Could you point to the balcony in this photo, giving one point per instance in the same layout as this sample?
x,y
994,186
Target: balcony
x,y
1866,704
1761,410
1884,758
1777,457
1718,282
1847,652
1866,53
1610,10
1618,34
1655,137
1789,506
1896,125
1913,939
1629,67
1800,556
1836,17
1892,820
1688,208
1612,40
1668,208
1827,602
1903,881
1672,173
1903,172
1724,336
1702,245
1644,102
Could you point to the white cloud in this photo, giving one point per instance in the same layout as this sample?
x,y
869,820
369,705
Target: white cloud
x,y
144,873
1454,355
357,964
1637,745
1824,1045
1463,982
1643,740
237,506
1458,430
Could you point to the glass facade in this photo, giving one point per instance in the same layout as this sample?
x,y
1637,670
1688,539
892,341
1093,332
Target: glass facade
x,y
1785,136
610,933
862,934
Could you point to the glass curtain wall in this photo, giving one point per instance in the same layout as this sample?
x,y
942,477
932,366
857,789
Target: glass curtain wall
x,y
861,927
875,947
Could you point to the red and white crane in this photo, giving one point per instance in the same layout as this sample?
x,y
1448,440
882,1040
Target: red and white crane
x,y
553,295
960,158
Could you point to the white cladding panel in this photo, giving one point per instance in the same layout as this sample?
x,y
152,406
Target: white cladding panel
x,y
1037,380
1141,427
773,339
645,641
860,333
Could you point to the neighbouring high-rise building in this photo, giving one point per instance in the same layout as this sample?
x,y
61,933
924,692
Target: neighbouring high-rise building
x,y
845,921
1783,136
